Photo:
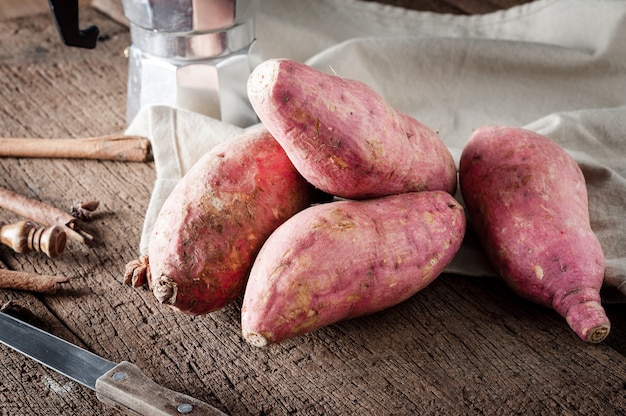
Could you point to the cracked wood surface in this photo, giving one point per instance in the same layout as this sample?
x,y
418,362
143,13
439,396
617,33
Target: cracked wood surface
x,y
461,346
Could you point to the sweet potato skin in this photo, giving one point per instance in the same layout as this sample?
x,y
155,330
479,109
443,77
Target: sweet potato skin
x,y
346,259
216,219
343,137
527,201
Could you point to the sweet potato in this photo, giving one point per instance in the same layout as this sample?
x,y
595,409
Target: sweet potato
x,y
343,137
527,202
217,217
346,259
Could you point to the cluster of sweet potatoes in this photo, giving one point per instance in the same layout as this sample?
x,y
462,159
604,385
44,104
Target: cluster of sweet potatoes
x,y
248,218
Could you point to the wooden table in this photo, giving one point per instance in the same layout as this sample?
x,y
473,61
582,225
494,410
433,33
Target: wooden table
x,y
462,346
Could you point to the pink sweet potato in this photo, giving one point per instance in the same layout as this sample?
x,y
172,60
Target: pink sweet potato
x,y
343,137
346,259
214,222
527,202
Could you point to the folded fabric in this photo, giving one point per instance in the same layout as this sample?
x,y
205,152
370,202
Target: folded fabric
x,y
552,66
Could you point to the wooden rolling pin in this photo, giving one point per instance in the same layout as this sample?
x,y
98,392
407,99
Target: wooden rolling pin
x,y
113,147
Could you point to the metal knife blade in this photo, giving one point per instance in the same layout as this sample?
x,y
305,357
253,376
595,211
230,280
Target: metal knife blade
x,y
121,384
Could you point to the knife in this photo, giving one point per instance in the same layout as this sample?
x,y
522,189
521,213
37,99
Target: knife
x,y
121,384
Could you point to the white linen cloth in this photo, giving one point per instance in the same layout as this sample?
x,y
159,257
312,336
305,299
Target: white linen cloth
x,y
557,67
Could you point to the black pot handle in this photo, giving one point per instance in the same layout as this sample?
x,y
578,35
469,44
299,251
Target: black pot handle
x,y
65,14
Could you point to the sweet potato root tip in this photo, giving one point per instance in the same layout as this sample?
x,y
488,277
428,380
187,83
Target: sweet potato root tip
x,y
256,339
589,321
598,333
165,290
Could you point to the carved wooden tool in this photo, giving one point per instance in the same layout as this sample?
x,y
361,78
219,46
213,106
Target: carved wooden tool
x,y
114,147
42,213
26,236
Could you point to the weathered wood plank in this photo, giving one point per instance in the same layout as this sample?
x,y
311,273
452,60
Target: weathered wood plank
x,y
462,346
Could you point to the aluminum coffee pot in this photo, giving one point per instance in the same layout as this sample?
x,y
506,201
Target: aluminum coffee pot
x,y
191,54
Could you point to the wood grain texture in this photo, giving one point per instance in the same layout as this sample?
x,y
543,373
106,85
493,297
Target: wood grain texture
x,y
461,346
10,9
